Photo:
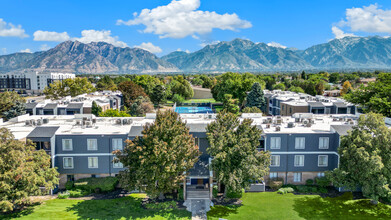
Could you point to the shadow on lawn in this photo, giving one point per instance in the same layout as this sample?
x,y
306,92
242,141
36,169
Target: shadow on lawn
x,y
20,213
342,207
220,211
126,207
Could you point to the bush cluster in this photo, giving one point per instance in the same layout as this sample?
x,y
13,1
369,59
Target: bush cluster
x,y
276,183
103,184
63,195
322,181
234,195
307,189
77,193
215,191
161,205
285,190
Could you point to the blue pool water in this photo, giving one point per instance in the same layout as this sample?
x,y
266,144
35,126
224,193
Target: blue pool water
x,y
193,110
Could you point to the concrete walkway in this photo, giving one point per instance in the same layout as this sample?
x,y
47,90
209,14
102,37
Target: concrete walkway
x,y
198,208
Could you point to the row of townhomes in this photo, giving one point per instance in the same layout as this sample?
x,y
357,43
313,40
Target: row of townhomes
x,y
302,146
31,82
286,103
81,104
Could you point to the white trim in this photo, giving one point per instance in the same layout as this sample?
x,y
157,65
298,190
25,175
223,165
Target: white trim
x,y
117,140
327,160
89,154
63,162
63,144
328,142
278,156
301,177
296,141
275,143
304,152
92,140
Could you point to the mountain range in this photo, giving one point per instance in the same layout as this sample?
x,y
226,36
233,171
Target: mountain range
x,y
237,55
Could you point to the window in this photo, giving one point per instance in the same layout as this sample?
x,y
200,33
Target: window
x,y
92,162
296,177
116,163
299,160
117,144
321,174
67,145
275,143
323,143
273,175
70,178
275,160
92,144
323,160
67,162
300,143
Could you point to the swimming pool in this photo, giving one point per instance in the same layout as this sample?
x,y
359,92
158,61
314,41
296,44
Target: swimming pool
x,y
193,110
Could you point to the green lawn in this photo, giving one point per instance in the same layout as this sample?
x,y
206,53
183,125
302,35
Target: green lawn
x,y
122,208
270,205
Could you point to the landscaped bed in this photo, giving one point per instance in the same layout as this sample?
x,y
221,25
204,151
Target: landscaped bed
x,y
271,205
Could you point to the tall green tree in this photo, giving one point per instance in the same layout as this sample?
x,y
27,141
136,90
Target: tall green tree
x,y
130,91
96,109
179,85
233,147
159,95
365,158
375,97
141,106
230,104
158,160
11,105
23,170
106,83
114,113
296,89
256,98
147,82
68,87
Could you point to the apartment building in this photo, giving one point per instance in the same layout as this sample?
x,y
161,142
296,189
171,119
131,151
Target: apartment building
x,y
30,81
81,104
302,146
286,103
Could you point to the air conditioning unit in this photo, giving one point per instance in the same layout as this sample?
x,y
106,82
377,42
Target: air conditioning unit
x,y
45,120
118,121
124,121
28,123
94,120
291,125
278,128
39,122
268,126
305,122
130,121
88,124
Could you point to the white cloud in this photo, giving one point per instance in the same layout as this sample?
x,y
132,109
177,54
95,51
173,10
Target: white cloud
x,y
180,19
51,36
89,36
27,50
45,47
150,47
10,30
340,34
275,44
369,19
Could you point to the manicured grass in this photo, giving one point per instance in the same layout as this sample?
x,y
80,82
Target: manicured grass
x,y
123,208
198,101
270,205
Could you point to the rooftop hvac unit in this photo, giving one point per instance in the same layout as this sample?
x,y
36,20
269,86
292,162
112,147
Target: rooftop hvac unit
x,y
279,121
278,128
264,121
130,121
45,120
335,119
94,120
39,122
269,120
88,124
210,116
118,121
85,118
33,122
78,122
297,120
351,122
308,125
291,125
124,121
268,126
28,123
305,122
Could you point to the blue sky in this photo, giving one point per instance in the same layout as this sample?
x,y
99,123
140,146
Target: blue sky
x,y
170,25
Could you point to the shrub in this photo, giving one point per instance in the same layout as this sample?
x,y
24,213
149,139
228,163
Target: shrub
x,y
69,185
215,191
77,193
302,189
322,181
234,195
180,194
103,184
178,99
161,205
285,190
276,183
322,190
63,195
309,182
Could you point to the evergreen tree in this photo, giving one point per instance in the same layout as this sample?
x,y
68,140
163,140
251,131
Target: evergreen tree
x,y
230,105
23,170
233,146
256,97
96,109
19,108
141,106
158,95
365,158
11,105
157,161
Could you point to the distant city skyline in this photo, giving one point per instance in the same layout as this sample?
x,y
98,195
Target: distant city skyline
x,y
163,26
